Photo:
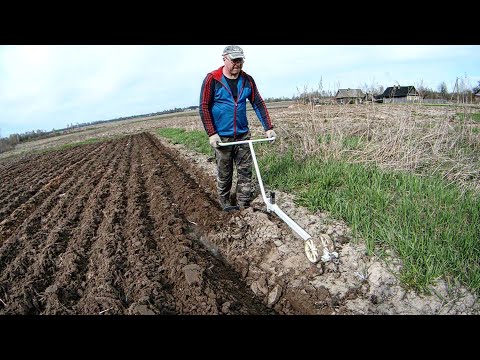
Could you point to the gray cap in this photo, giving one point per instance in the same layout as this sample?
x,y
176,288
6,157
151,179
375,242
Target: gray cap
x,y
233,52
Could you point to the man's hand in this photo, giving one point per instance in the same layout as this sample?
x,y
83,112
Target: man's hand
x,y
214,140
271,134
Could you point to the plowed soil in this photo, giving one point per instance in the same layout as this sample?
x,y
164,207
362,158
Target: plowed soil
x,y
115,228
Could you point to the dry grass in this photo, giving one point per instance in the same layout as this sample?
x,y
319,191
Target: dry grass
x,y
424,140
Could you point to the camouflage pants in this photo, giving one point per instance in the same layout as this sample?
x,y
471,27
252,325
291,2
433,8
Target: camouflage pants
x,y
226,157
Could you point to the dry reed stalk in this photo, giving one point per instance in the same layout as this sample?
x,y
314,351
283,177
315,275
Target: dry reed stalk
x,y
411,137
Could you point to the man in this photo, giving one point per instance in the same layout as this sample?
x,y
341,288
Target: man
x,y
223,110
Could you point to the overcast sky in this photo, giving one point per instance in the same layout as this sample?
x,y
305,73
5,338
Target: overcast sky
x,y
45,87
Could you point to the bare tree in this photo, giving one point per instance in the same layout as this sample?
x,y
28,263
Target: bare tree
x,y
442,89
422,90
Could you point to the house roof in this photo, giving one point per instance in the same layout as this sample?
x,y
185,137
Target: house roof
x,y
399,91
349,93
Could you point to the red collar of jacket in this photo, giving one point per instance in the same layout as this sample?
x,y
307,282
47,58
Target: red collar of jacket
x,y
217,74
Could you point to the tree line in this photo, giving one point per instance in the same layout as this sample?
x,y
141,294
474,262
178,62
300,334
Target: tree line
x,y
9,143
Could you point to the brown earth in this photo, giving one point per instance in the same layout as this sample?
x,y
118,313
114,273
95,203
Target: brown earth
x,y
132,226
104,228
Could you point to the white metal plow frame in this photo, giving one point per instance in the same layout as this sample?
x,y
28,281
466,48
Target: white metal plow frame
x,y
315,249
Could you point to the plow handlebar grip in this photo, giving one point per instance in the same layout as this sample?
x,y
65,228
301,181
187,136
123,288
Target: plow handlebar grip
x,y
245,141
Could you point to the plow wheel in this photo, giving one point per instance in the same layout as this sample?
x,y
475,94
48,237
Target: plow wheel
x,y
316,247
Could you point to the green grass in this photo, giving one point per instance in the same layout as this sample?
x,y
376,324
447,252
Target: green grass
x,y
194,140
426,104
79,143
432,226
324,139
352,142
348,142
469,117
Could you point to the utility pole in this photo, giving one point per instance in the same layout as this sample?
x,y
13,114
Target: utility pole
x,y
455,90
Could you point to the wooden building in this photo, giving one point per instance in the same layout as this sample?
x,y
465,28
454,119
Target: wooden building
x,y
349,96
400,94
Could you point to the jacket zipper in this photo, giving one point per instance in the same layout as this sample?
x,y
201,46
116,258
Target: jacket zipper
x,y
235,109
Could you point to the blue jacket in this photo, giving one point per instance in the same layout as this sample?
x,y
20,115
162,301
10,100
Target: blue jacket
x,y
219,111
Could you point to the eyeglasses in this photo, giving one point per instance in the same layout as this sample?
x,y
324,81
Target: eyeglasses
x,y
239,61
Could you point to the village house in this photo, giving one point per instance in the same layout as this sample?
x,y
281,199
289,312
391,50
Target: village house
x,y
349,96
399,94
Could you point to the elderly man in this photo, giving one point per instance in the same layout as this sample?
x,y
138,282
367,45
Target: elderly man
x,y
223,111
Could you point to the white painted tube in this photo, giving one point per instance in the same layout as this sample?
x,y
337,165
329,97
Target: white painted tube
x,y
257,170
302,233
270,207
245,141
